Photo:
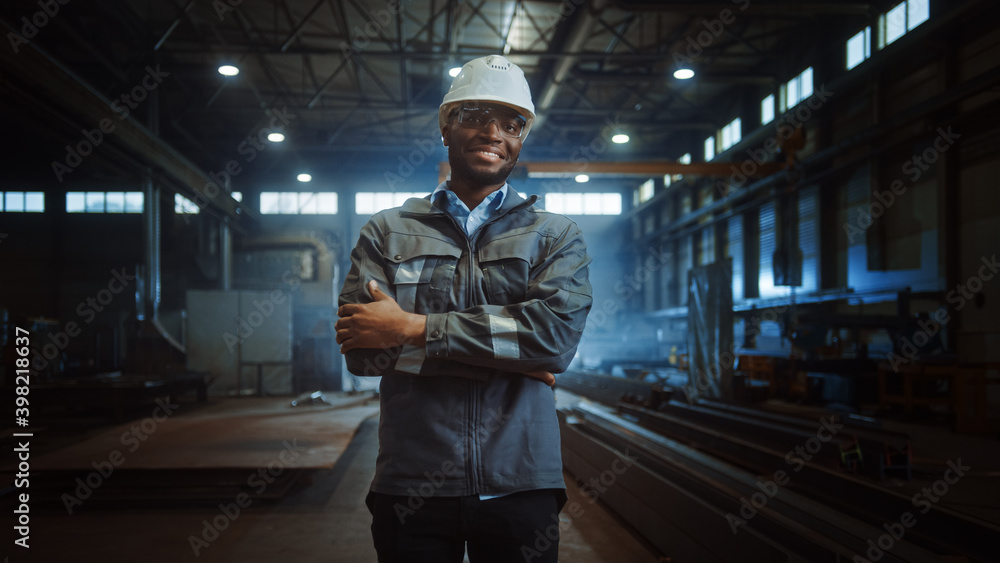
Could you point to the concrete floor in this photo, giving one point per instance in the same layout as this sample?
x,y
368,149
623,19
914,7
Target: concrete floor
x,y
322,518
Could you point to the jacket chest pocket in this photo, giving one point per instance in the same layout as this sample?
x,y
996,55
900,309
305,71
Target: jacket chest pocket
x,y
506,267
422,270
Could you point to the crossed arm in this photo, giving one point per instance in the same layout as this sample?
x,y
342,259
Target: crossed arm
x,y
383,324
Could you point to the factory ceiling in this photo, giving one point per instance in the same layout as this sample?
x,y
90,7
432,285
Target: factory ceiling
x,y
349,82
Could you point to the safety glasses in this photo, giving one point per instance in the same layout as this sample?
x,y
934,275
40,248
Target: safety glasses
x,y
509,122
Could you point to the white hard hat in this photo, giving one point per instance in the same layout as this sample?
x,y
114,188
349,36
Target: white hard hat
x,y
494,79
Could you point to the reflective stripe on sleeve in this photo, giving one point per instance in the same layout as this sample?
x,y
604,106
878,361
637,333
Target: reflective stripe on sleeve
x,y
503,331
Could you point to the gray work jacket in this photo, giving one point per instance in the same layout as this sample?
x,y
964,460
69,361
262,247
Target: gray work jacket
x,y
458,418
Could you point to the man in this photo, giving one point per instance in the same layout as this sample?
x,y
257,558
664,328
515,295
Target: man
x,y
466,302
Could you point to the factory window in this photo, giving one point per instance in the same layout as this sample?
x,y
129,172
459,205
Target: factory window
x,y
22,202
732,133
369,203
859,48
584,204
917,12
104,202
184,205
797,89
902,18
704,246
734,250
709,148
893,24
768,229
646,191
767,110
298,203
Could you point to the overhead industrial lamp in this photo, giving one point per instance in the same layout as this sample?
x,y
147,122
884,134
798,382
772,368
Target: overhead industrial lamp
x,y
683,74
228,70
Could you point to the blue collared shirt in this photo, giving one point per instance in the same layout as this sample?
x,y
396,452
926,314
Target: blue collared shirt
x,y
470,220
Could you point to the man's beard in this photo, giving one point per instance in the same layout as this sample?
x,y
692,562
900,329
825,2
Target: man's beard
x,y
482,178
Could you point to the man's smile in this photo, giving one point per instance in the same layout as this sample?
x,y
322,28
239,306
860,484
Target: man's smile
x,y
491,154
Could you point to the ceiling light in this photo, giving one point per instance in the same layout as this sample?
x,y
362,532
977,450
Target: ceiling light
x,y
455,71
582,178
683,74
228,70
275,137
305,177
620,138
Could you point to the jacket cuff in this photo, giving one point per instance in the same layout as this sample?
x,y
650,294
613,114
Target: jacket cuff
x,y
436,340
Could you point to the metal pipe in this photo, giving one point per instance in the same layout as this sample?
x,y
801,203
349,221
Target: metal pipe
x,y
578,35
225,256
151,236
173,26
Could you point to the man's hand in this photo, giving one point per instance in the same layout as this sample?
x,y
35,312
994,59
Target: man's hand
x,y
380,324
543,376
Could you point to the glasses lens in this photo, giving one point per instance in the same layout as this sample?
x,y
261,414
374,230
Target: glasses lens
x,y
509,123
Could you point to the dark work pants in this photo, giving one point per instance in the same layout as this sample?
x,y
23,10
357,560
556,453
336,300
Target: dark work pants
x,y
520,527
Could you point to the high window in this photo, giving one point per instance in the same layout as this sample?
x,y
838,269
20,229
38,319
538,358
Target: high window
x,y
104,202
584,203
22,202
298,203
900,19
797,89
369,203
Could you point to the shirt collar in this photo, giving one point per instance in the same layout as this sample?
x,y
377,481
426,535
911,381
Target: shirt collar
x,y
495,201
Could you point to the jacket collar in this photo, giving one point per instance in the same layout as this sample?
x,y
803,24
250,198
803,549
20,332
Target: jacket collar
x,y
424,206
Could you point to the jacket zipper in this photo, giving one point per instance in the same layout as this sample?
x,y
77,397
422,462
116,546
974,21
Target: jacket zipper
x,y
473,455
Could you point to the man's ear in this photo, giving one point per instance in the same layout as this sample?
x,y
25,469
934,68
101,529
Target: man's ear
x,y
444,135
